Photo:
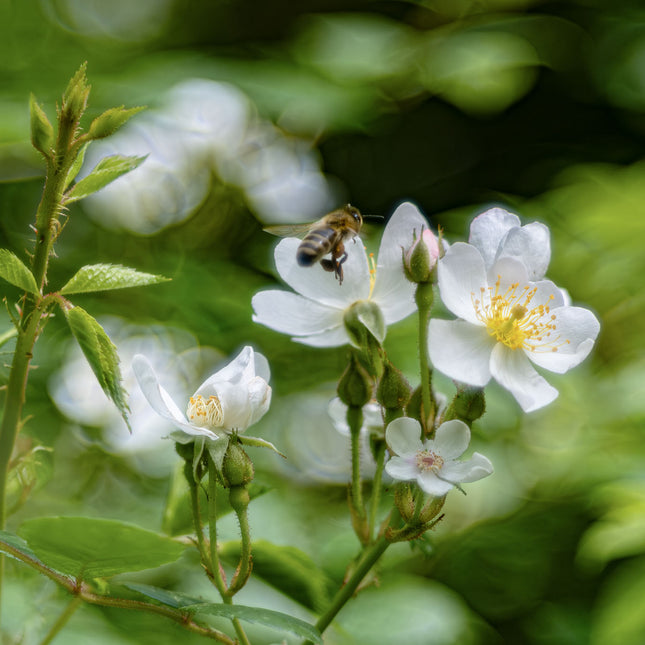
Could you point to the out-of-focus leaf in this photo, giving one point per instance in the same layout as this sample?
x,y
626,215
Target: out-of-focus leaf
x,y
479,72
104,173
266,617
13,270
619,616
101,355
288,569
104,277
87,548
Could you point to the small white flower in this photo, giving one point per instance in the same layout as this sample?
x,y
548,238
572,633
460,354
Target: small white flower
x,y
233,398
433,463
506,320
315,314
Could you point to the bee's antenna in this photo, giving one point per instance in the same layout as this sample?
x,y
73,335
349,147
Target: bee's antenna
x,y
373,217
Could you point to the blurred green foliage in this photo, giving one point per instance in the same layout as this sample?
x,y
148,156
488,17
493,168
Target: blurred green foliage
x,y
453,104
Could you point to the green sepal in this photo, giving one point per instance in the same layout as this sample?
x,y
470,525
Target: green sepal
x,y
258,443
101,354
75,168
105,277
104,173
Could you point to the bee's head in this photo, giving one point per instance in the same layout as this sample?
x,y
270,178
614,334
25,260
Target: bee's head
x,y
356,217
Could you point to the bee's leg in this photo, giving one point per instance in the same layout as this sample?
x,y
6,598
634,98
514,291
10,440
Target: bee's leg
x,y
339,267
328,265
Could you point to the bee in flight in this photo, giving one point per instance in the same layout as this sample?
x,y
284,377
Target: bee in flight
x,y
327,235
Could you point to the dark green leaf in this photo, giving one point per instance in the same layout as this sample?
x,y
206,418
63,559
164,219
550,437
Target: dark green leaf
x,y
101,355
87,548
14,271
15,543
288,569
265,617
104,173
103,277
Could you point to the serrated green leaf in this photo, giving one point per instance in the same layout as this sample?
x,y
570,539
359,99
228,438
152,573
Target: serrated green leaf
x,y
76,166
100,354
111,120
14,271
288,569
104,173
266,617
104,277
88,548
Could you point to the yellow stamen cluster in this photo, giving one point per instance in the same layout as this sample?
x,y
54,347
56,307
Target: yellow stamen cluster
x,y
428,460
205,413
510,318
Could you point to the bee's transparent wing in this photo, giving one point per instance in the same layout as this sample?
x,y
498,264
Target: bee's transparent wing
x,y
289,230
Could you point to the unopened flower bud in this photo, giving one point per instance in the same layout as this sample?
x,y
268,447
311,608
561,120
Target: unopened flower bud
x,y
421,258
404,501
75,96
431,509
355,385
393,391
468,405
237,467
362,320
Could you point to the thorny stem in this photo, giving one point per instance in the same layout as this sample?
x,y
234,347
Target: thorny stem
x,y
376,487
199,531
244,568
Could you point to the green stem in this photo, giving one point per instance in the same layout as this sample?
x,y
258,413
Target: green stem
x,y
216,568
368,560
197,521
62,620
376,487
424,297
214,556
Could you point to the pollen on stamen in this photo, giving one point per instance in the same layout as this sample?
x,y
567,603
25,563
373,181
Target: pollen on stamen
x,y
205,413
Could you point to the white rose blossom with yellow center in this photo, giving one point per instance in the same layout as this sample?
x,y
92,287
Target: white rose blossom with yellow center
x,y
232,399
508,317
315,314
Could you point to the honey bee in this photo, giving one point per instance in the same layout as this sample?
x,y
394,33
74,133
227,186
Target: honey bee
x,y
327,235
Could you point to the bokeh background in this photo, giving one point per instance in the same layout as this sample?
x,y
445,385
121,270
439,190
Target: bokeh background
x,y
275,112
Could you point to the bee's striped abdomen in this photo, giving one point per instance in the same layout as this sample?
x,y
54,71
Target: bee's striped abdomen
x,y
315,244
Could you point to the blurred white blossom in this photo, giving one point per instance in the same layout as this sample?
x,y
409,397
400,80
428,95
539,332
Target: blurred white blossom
x,y
77,394
203,128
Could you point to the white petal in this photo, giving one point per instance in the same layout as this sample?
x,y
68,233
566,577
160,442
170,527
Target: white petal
x,y
471,470
432,484
461,350
462,275
259,398
236,408
452,439
320,285
393,291
335,337
507,271
576,325
488,229
160,400
262,368
290,313
512,369
531,244
403,436
401,469
240,369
